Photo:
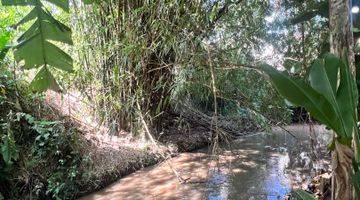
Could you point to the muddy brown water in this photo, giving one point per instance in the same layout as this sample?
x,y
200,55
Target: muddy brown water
x,y
260,166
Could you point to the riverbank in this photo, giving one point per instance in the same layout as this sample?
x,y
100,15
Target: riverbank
x,y
113,165
260,166
113,157
108,154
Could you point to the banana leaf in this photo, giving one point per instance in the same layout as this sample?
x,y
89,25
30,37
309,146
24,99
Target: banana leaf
x,y
329,93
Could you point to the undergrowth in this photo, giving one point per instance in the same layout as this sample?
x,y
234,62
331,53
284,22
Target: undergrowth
x,y
242,94
40,157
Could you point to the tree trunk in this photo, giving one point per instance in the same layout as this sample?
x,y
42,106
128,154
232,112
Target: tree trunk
x,y
341,44
341,37
342,158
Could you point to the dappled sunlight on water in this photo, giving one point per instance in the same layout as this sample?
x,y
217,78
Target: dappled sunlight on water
x,y
261,166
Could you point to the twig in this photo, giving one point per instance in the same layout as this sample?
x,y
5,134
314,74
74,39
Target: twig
x,y
214,120
147,130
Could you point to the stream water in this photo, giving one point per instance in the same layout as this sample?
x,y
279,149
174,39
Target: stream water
x,y
260,166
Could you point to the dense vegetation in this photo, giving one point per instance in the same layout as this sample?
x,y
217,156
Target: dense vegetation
x,y
146,66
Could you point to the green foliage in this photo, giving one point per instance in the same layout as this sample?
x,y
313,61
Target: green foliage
x,y
329,99
9,150
242,94
301,195
136,55
129,56
356,177
319,8
31,144
34,47
4,38
3,53
299,43
51,150
6,18
91,1
50,142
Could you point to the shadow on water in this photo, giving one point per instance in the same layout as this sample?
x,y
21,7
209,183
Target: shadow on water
x,y
261,166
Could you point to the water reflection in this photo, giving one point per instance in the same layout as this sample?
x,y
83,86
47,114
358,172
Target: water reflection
x,y
259,175
281,163
261,166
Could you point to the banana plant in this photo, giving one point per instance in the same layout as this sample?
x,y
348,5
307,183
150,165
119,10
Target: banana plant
x,y
35,47
329,93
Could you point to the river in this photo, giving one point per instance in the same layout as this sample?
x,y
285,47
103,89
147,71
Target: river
x,y
259,166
